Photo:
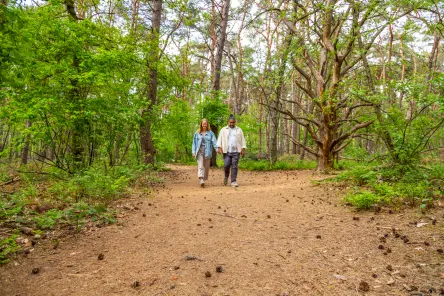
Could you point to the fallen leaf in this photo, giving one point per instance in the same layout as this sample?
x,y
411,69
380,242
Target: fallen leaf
x,y
391,281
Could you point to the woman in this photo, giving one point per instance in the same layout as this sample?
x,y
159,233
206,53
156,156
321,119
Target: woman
x,y
203,142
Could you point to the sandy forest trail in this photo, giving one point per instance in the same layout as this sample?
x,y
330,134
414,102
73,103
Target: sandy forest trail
x,y
277,234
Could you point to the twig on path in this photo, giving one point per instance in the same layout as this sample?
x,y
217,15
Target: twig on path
x,y
192,257
152,282
223,215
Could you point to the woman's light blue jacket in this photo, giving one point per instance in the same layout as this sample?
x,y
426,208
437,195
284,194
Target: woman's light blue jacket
x,y
210,142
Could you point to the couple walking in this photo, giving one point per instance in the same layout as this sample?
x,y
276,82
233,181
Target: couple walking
x,y
230,143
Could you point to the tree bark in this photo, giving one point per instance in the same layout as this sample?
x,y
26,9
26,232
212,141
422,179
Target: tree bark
x,y
77,149
433,56
220,45
146,139
25,150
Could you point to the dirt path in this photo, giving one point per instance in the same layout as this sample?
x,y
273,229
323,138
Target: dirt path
x,y
276,234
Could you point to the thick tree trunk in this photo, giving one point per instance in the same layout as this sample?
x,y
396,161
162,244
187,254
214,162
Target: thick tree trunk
x,y
326,161
146,139
220,45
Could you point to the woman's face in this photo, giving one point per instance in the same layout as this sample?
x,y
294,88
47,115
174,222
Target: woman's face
x,y
204,125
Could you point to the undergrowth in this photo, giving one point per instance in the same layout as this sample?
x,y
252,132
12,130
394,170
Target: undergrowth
x,y
393,185
287,162
52,200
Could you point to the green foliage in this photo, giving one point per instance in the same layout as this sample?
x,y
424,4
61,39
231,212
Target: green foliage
x,y
96,184
358,175
81,212
78,214
213,109
363,200
13,205
174,136
391,185
48,219
264,165
8,246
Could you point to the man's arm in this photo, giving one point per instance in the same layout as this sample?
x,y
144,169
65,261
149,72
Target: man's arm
x,y
244,144
219,143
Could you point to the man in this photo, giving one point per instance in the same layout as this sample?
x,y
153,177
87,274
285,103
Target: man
x,y
231,143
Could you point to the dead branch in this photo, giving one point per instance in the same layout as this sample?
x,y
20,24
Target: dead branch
x,y
223,215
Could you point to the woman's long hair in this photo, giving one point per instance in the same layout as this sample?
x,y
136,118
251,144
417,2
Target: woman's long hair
x,y
200,126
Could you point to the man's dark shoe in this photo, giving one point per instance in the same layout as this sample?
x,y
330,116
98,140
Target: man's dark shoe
x,y
225,181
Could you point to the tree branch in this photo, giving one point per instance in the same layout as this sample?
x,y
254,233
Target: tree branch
x,y
306,148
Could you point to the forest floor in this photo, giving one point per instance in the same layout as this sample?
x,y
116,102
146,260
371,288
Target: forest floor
x,y
276,234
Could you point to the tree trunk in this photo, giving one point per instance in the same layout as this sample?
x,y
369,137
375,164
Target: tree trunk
x,y
433,56
75,97
326,161
134,15
220,45
146,139
25,150
259,132
240,76
213,40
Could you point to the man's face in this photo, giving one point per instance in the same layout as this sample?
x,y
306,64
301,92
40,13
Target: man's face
x,y
231,123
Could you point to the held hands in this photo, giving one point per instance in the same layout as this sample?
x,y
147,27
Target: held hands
x,y
219,150
194,155
243,152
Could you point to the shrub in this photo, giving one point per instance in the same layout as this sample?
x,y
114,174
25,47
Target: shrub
x,y
49,218
362,200
359,175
